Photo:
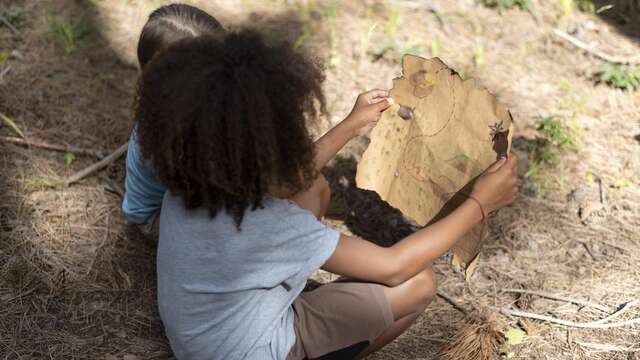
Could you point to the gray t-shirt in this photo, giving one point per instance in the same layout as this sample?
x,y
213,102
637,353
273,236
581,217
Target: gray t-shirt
x,y
227,294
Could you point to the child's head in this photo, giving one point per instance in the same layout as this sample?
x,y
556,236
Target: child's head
x,y
171,23
223,120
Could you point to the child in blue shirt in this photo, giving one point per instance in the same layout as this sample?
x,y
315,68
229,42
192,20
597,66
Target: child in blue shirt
x,y
168,24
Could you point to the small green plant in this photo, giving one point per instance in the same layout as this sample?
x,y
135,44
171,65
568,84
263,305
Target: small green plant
x,y
621,184
303,38
4,56
14,15
478,55
560,135
507,4
69,34
39,183
69,158
392,24
618,76
554,138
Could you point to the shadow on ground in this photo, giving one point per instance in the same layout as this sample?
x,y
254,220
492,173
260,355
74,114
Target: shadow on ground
x,y
624,15
364,213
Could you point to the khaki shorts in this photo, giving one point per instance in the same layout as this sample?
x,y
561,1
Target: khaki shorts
x,y
339,320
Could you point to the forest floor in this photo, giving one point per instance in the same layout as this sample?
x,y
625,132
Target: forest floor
x,y
76,283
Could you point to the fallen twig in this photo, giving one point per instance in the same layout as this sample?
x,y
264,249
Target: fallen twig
x,y
97,166
7,120
9,25
5,71
616,314
605,347
560,298
55,147
587,325
453,303
112,186
597,53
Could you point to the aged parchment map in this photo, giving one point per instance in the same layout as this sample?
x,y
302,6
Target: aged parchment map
x,y
441,133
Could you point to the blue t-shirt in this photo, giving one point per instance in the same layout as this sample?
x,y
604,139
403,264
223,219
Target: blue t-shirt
x,y
227,294
142,191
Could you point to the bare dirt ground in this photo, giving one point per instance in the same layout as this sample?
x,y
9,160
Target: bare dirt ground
x,y
75,283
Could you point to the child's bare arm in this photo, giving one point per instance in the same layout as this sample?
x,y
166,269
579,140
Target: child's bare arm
x,y
361,259
366,110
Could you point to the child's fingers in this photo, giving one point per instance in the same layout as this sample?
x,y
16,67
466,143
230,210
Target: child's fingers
x,y
496,165
372,95
383,104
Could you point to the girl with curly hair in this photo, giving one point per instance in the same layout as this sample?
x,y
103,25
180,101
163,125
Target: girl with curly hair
x,y
223,123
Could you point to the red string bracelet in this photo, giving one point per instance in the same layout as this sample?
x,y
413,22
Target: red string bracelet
x,y
479,205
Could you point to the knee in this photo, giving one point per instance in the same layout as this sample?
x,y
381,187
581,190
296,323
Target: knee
x,y
425,287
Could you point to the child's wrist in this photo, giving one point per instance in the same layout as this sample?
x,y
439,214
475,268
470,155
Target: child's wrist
x,y
480,209
349,128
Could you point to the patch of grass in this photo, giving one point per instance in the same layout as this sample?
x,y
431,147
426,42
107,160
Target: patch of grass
x,y
69,34
39,183
4,56
14,14
478,55
392,24
69,158
507,4
554,138
619,76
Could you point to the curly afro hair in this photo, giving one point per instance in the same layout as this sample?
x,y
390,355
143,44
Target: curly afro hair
x,y
223,121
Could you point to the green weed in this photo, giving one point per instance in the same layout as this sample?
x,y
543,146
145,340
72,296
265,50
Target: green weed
x,y
566,7
70,35
4,56
618,76
14,15
478,55
554,138
392,24
39,183
69,158
507,4
621,184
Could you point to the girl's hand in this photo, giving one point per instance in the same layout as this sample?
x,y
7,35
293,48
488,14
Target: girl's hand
x,y
498,186
367,110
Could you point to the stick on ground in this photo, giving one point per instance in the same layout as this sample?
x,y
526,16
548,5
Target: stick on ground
x,y
597,53
587,325
9,25
604,347
560,298
97,166
49,146
453,303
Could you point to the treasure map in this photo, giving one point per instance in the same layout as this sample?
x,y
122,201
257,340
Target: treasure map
x,y
430,145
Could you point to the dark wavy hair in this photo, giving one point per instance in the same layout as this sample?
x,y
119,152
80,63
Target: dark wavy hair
x,y
223,121
170,23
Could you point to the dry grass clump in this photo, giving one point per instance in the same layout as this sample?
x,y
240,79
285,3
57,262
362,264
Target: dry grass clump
x,y
475,338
